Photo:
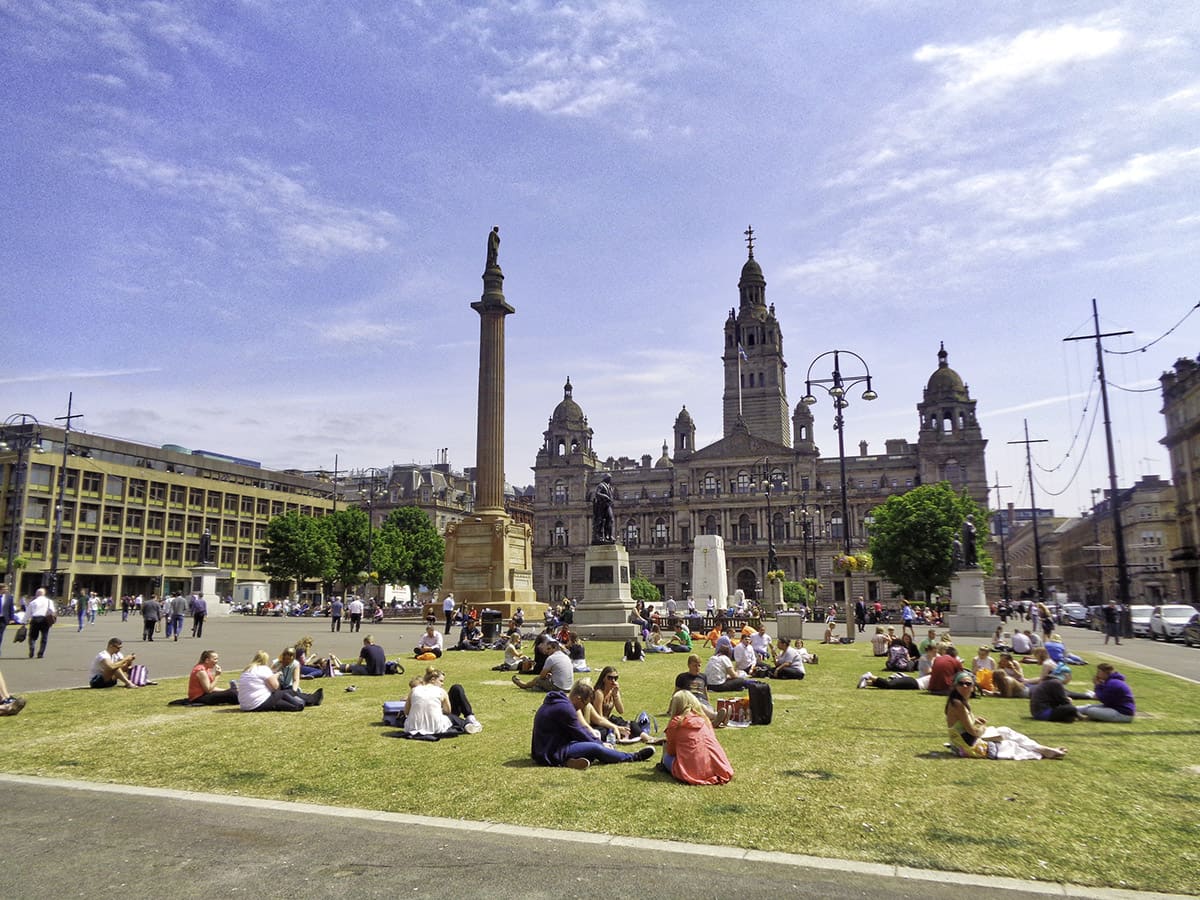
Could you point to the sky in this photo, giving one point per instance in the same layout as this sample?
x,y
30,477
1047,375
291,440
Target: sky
x,y
257,227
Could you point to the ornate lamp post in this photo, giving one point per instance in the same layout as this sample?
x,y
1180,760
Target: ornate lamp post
x,y
769,486
19,432
836,386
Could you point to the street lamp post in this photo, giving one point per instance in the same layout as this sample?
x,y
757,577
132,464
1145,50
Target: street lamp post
x,y
19,432
369,486
769,486
836,386
50,578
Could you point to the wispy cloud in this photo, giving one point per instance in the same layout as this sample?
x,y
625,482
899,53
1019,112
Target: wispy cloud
x,y
577,60
71,375
251,195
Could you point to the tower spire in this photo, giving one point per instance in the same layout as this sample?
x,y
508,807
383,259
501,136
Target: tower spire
x,y
749,233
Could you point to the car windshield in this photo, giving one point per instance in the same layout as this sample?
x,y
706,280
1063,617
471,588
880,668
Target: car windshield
x,y
1177,612
1141,611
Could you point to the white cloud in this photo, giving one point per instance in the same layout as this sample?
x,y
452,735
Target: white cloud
x,y
70,375
975,71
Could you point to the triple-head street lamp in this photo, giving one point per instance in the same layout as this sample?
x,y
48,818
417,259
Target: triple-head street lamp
x,y
836,387
20,432
369,488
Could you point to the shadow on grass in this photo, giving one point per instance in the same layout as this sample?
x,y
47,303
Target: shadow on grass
x,y
810,774
969,838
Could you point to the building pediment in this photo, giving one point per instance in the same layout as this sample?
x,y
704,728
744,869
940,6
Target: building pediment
x,y
741,443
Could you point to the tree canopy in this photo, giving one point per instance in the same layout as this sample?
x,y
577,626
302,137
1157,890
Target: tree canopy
x,y
347,529
913,535
298,547
640,588
408,549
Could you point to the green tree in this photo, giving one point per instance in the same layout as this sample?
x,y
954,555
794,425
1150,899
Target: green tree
x,y
298,548
641,589
913,534
408,549
795,593
348,532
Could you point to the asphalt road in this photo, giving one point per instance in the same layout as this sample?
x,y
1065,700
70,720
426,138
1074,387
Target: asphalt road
x,y
78,840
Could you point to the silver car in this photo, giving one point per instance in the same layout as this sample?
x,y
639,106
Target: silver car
x,y
1168,621
1139,617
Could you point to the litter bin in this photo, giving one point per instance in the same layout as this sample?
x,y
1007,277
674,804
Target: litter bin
x,y
490,620
789,625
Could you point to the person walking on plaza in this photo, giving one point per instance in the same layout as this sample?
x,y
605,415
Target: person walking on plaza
x,y
448,610
335,614
860,614
93,605
355,609
8,611
151,613
179,609
40,615
1112,619
199,608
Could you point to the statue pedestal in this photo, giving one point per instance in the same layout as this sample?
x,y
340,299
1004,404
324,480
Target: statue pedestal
x,y
603,612
708,571
773,597
204,582
489,564
971,615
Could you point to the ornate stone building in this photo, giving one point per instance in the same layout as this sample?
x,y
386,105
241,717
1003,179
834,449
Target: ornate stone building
x,y
763,485
1181,409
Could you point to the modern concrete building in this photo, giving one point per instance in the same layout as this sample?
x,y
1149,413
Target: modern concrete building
x,y
764,485
133,515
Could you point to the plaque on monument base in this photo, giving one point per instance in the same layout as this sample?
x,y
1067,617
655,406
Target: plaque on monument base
x,y
971,615
602,613
708,571
489,565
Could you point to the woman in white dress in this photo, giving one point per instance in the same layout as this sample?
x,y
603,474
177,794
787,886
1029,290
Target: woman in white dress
x,y
431,710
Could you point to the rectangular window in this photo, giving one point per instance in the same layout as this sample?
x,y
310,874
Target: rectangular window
x,y
660,568
40,475
178,493
243,557
89,515
231,503
37,509
72,481
133,551
91,482
191,554
260,533
158,491
135,519
153,551
262,507
214,500
35,543
247,506
195,498
109,548
245,531
276,508
137,489
114,486
175,523
229,530
112,518
85,547
194,525
227,556
174,554
260,558
154,522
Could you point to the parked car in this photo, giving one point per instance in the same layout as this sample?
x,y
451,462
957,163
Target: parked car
x,y
1167,621
1073,614
1191,631
1139,617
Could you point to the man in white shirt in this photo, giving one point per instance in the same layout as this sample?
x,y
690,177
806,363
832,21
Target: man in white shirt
x,y
761,642
430,642
111,667
448,610
38,613
354,609
556,674
1020,643
722,675
744,657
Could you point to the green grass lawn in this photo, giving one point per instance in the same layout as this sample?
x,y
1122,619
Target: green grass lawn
x,y
840,773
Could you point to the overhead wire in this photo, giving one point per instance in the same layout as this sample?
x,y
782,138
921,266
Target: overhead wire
x,y
1079,464
1162,336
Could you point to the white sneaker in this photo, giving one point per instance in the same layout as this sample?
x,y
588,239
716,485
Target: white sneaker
x,y
867,676
473,728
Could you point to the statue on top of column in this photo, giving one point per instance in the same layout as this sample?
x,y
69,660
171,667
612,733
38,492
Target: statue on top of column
x,y
603,517
493,248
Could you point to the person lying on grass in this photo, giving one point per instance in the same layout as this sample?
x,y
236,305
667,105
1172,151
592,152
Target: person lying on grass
x,y
560,739
972,737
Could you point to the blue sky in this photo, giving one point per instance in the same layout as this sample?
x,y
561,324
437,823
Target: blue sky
x,y
256,227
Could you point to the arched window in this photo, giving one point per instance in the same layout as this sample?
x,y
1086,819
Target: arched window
x,y
661,533
559,535
631,533
745,530
779,527
744,483
711,526
711,485
562,447
574,446
560,491
835,526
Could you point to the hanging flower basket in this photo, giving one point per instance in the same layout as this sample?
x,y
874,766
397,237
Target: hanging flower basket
x,y
855,562
776,575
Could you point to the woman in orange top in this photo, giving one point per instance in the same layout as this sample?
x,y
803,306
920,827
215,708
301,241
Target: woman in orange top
x,y
693,754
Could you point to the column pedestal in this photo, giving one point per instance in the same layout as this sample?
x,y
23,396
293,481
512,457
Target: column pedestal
x,y
489,565
708,571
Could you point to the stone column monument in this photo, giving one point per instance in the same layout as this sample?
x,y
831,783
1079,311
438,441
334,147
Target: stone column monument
x,y
489,557
708,571
972,615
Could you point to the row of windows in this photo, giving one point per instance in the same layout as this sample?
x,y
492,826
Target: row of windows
x,y
745,483
94,517
141,490
135,551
